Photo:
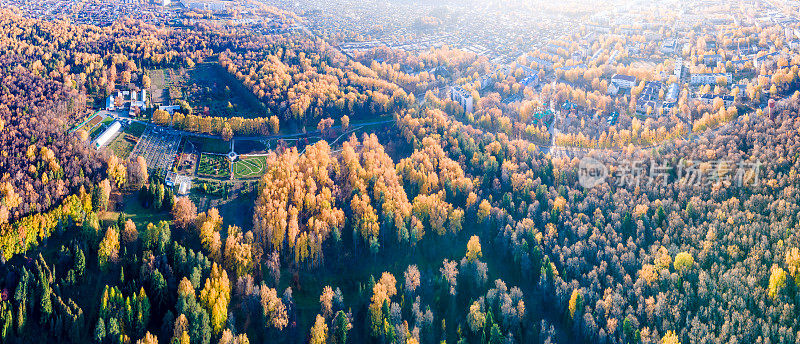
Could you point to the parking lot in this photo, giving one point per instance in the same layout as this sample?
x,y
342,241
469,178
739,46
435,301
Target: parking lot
x,y
158,146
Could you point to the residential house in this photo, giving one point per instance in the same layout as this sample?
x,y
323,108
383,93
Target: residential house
x,y
710,78
623,81
712,60
462,96
710,98
542,63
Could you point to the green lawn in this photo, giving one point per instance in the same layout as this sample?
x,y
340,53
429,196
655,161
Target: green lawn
x,y
215,166
221,92
250,167
142,216
206,85
136,129
238,211
208,145
132,208
122,146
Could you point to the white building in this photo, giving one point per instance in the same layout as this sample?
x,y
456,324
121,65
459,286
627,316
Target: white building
x,y
138,97
742,90
612,90
712,60
207,5
169,108
133,101
183,183
674,91
623,81
463,97
184,186
679,68
710,78
107,135
758,60
710,98
542,63
138,101
110,106
668,46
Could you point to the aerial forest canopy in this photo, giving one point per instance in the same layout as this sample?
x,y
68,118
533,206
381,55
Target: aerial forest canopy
x,y
265,171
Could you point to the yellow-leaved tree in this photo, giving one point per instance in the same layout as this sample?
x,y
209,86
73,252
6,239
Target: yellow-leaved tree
x,y
575,303
474,248
215,296
777,282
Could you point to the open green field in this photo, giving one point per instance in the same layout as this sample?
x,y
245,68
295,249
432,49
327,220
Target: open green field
x,y
208,145
136,129
208,88
242,147
157,82
122,146
215,166
141,216
132,207
249,167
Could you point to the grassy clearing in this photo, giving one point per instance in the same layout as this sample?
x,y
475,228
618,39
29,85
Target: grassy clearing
x,y
133,208
122,146
156,85
142,216
206,87
208,145
238,211
136,129
250,167
243,147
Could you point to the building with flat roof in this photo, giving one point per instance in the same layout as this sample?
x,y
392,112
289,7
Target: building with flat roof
x,y
530,81
542,63
709,98
712,59
742,90
110,106
710,78
673,92
169,108
623,81
668,46
463,97
206,5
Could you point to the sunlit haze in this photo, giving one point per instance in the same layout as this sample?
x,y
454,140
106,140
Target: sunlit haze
x,y
399,171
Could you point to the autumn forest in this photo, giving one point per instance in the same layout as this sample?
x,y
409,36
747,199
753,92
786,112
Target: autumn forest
x,y
250,175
